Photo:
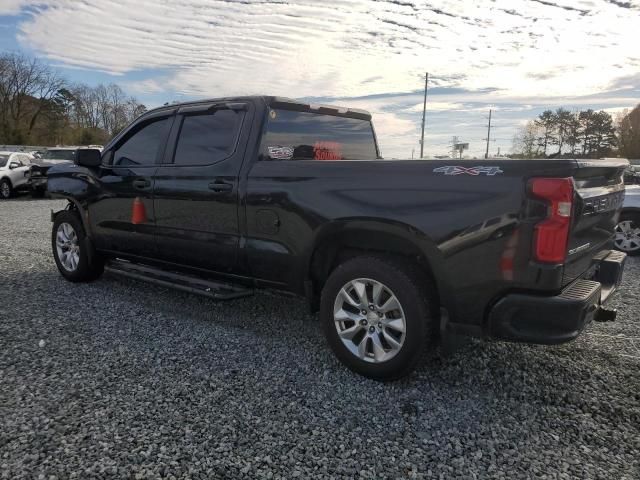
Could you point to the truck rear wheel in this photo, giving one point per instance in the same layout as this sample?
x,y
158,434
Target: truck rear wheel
x,y
378,316
75,257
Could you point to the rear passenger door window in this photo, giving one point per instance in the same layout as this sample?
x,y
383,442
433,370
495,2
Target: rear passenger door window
x,y
205,139
295,135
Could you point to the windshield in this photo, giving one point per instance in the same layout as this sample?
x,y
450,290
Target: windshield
x,y
3,160
58,155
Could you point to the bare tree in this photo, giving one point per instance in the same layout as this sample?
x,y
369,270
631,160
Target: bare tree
x,y
87,110
37,105
27,86
525,141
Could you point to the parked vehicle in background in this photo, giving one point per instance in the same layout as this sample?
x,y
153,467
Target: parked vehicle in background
x,y
632,175
14,172
43,162
627,237
222,196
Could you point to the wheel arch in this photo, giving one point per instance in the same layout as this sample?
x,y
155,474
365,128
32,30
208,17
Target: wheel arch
x,y
340,240
81,211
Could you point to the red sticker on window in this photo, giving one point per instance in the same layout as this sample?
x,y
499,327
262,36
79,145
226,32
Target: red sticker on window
x,y
327,151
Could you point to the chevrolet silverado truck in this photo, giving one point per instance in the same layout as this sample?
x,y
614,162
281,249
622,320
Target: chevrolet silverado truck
x,y
226,196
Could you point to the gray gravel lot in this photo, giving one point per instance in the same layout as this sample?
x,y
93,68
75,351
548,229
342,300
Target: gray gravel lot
x,y
123,379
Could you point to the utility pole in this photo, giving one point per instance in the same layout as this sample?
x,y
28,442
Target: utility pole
x,y
424,112
486,154
454,150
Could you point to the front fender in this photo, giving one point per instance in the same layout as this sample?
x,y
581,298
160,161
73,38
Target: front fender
x,y
76,185
71,181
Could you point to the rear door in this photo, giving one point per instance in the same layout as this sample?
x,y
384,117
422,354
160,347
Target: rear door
x,y
123,218
293,186
599,197
196,188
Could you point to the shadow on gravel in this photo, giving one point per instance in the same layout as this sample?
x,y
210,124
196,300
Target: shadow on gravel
x,y
117,312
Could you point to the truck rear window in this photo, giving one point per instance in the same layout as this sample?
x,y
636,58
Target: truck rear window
x,y
293,135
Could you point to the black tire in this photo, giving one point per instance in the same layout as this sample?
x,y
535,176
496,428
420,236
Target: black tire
x,y
38,192
631,248
6,189
89,265
417,298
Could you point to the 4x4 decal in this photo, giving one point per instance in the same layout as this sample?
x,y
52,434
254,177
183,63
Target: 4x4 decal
x,y
458,170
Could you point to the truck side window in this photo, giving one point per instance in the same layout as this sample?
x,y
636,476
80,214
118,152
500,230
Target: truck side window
x,y
294,135
208,138
142,147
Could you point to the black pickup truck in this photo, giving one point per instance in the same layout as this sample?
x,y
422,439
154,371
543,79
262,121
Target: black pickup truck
x,y
224,196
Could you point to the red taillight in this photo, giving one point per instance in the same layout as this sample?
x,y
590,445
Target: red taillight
x,y
551,235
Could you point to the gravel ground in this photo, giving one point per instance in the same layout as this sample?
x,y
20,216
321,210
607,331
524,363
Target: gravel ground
x,y
122,379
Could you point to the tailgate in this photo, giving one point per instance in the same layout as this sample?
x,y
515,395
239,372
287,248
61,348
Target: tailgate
x,y
598,199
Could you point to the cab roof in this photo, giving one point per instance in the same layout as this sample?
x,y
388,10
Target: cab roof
x,y
278,102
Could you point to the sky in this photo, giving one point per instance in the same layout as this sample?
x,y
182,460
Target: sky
x,y
515,57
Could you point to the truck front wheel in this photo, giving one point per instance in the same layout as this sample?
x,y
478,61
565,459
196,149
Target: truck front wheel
x,y
378,316
75,257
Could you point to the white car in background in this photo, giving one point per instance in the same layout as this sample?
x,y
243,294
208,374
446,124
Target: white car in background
x,y
627,236
14,172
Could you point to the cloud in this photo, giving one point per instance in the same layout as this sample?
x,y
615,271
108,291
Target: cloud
x,y
344,48
375,53
12,7
147,86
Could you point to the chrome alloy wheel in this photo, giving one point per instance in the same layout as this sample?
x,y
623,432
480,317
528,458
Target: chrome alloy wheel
x,y
627,236
369,320
67,247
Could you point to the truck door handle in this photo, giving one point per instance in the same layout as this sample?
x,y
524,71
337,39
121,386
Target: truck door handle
x,y
220,187
141,183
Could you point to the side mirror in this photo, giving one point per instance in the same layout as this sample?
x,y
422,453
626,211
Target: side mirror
x,y
88,157
13,165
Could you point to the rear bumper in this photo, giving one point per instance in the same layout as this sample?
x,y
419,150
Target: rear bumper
x,y
528,318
